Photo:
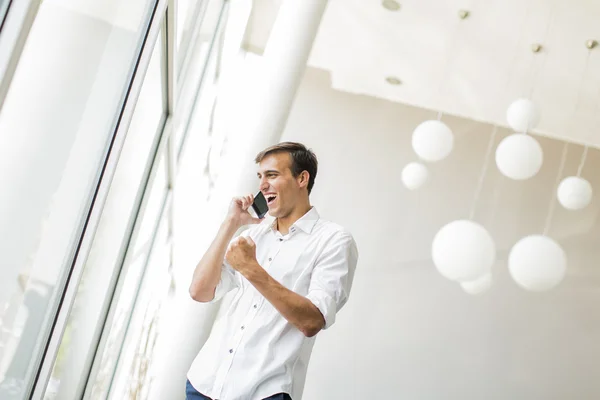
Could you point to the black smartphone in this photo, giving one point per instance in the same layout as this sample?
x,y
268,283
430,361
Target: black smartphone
x,y
259,205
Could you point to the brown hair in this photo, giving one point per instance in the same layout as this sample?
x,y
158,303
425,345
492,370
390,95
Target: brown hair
x,y
303,159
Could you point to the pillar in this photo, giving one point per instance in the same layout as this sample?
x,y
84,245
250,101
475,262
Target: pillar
x,y
283,65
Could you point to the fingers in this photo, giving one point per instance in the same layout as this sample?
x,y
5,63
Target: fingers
x,y
236,242
245,201
242,240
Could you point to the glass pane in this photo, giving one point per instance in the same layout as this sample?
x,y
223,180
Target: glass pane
x,y
55,129
189,84
133,374
189,14
202,118
135,265
153,206
95,289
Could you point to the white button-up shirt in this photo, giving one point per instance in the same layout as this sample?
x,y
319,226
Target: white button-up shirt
x,y
253,352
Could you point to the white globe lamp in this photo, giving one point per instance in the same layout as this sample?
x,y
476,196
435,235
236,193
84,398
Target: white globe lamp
x,y
574,193
432,140
414,175
479,285
522,115
519,156
537,263
463,251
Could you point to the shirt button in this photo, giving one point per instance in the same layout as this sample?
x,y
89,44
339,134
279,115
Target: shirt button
x,y
255,306
270,259
281,240
242,327
230,351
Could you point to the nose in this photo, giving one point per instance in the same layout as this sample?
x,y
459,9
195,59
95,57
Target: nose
x,y
264,185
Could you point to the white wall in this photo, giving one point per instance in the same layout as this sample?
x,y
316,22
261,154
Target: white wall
x,y
407,333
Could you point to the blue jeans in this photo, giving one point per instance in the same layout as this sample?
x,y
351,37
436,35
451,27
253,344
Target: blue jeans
x,y
192,394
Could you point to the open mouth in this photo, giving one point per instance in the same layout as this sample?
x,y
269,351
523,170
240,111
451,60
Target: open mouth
x,y
270,198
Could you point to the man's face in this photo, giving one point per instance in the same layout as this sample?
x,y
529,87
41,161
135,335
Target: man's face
x,y
278,185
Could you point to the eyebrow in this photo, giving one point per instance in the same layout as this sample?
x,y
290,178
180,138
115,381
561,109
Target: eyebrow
x,y
270,171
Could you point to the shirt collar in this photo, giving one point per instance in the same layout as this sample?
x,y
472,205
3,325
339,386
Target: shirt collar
x,y
305,223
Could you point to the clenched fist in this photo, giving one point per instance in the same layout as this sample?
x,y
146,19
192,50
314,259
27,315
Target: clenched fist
x,y
241,254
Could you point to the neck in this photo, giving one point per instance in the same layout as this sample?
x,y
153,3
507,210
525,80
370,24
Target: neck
x,y
284,223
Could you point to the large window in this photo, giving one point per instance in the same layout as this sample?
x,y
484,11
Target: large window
x,y
56,131
88,158
105,259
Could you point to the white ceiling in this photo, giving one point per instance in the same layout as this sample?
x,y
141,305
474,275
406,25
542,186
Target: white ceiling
x,y
471,68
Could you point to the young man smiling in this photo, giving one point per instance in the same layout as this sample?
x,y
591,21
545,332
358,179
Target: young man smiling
x,y
291,274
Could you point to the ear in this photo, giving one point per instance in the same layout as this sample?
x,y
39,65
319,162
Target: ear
x,y
303,179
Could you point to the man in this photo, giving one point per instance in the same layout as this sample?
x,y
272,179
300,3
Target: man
x,y
291,274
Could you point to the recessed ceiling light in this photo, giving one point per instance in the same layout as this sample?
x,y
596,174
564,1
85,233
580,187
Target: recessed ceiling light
x,y
391,5
392,80
463,14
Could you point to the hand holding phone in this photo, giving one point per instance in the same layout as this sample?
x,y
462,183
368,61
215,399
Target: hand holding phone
x,y
239,210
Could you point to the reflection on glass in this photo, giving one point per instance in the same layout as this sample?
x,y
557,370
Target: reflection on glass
x,y
189,84
135,265
55,128
94,292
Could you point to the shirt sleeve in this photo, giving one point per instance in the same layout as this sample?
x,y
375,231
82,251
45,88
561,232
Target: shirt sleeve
x,y
332,276
227,283
229,276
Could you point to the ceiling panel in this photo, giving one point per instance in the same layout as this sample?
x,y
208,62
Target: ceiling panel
x,y
471,68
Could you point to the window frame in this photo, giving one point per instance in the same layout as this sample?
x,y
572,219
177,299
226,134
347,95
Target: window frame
x,y
184,52
14,29
215,41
